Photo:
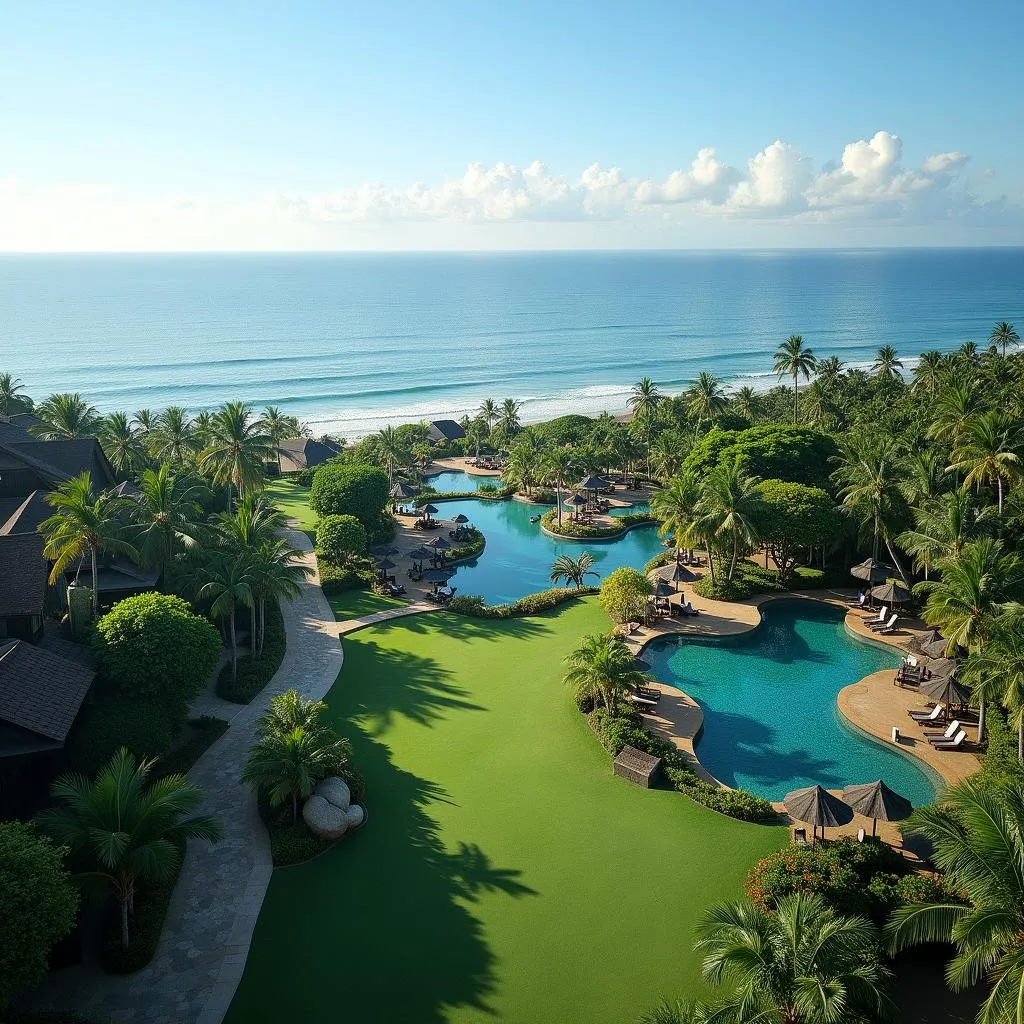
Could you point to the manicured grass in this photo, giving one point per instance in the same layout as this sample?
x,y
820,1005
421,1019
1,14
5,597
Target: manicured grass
x,y
293,500
504,873
351,604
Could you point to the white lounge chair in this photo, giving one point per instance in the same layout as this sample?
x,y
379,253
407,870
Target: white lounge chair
x,y
942,737
921,717
952,744
884,627
879,618
643,704
862,600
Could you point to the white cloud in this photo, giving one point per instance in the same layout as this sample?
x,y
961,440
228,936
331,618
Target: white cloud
x,y
775,181
944,163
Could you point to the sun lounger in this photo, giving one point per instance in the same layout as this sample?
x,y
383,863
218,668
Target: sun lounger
x,y
942,737
879,618
642,703
927,716
688,609
861,602
883,627
890,627
956,741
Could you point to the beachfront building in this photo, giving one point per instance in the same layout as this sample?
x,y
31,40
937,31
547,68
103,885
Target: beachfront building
x,y
443,431
298,453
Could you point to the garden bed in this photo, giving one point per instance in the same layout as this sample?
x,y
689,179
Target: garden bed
x,y
253,674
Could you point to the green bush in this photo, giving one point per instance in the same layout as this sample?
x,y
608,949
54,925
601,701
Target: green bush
x,y
489,492
38,903
1000,765
203,733
358,574
795,518
252,674
665,558
339,537
147,923
469,547
152,647
474,605
114,721
624,594
350,489
578,531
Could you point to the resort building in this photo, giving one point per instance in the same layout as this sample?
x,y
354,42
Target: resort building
x,y
298,453
441,431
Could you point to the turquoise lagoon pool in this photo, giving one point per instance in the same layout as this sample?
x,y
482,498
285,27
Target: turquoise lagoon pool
x,y
517,559
771,723
458,481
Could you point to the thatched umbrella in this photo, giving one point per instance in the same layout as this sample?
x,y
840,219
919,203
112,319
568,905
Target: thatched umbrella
x,y
428,511
816,806
891,593
574,503
662,589
385,566
438,544
438,576
403,490
942,667
680,574
460,519
946,690
592,483
871,571
935,648
876,800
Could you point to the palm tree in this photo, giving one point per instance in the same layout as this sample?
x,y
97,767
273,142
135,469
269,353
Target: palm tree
x,y
996,671
255,521
987,451
83,523
675,505
166,514
601,667
508,421
804,964
793,359
145,420
925,475
644,400
524,461
705,398
228,582
977,839
667,454
942,526
287,763
173,437
829,371
476,433
132,831
573,570
747,402
392,452
488,412
238,448
121,443
1004,334
730,507
11,398
886,362
64,417
929,372
968,356
957,402
277,575
557,464
290,710
972,592
277,425
676,1011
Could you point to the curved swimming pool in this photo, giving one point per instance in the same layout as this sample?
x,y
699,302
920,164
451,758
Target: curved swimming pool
x,y
771,722
458,481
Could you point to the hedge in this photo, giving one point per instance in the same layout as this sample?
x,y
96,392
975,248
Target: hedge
x,y
471,549
145,925
659,560
336,579
582,531
252,674
474,605
114,721
426,496
205,731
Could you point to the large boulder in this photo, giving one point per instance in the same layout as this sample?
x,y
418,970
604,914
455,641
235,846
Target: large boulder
x,y
324,818
335,791
354,816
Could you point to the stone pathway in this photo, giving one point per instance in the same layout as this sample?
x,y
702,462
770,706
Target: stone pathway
x,y
199,962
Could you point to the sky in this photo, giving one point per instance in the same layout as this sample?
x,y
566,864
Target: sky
x,y
535,125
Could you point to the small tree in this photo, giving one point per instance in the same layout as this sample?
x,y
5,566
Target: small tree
x,y
624,594
794,517
601,667
154,647
573,570
340,537
37,906
355,490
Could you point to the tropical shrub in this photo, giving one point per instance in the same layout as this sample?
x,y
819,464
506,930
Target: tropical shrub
x,y
624,594
338,537
795,517
152,647
253,674
38,903
353,490
469,547
659,560
476,607
355,575
115,721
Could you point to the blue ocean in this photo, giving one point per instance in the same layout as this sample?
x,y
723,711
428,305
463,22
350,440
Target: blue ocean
x,y
349,342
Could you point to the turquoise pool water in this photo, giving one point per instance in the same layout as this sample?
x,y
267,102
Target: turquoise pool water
x,y
517,559
771,723
457,481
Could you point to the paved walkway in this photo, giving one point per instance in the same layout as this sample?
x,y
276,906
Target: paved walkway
x,y
202,952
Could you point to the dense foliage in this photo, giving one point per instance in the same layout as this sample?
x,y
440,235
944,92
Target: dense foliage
x,y
338,537
253,674
624,594
795,518
353,490
476,607
115,721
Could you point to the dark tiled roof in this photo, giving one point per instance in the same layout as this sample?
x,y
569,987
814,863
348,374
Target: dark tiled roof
x,y
23,573
40,691
28,515
297,453
446,430
16,428
68,458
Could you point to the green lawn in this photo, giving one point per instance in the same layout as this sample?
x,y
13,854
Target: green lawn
x,y
293,500
351,604
504,873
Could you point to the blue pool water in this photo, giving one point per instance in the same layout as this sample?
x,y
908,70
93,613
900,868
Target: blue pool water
x,y
771,723
458,481
517,559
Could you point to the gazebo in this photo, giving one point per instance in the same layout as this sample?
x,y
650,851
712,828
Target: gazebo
x,y
876,800
593,484
815,806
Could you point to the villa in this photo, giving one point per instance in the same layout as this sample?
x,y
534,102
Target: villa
x,y
441,431
298,453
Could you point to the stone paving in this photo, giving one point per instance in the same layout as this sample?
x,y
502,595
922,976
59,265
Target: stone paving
x,y
217,900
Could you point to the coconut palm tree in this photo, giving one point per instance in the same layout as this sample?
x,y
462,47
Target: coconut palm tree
x,y
705,398
392,451
489,413
557,465
794,359
668,453
601,668
122,443
255,521
476,433
573,570
676,1011
829,371
131,830
508,420
968,356
227,581
238,448
730,507
976,835
278,425
644,400
12,398
886,363
1004,334
84,523
277,575
525,461
65,416
929,372
144,420
956,403
286,764
987,451
925,476
804,964
942,526
173,438
166,514
675,505
973,590
290,710
996,671
747,402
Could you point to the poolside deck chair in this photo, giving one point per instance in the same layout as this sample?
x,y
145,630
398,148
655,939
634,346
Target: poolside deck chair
x,y
884,627
890,627
861,602
861,835
927,716
642,703
942,737
879,618
688,609
956,741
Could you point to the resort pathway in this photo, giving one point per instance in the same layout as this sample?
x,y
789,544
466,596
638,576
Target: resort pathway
x,y
202,951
